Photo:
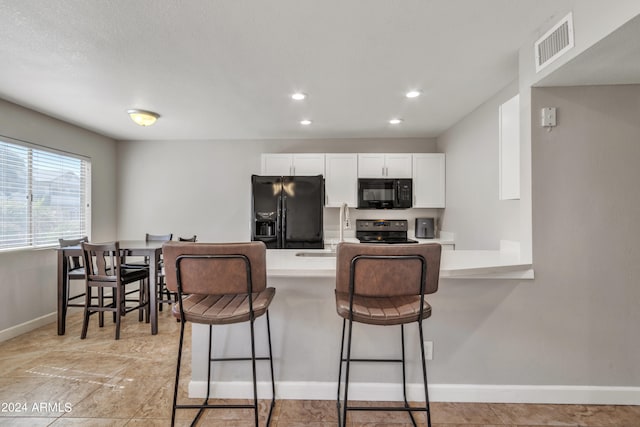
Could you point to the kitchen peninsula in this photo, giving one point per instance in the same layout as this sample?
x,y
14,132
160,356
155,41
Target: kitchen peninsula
x,y
306,330
504,263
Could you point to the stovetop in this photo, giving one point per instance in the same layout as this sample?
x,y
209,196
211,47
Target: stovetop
x,y
386,240
382,231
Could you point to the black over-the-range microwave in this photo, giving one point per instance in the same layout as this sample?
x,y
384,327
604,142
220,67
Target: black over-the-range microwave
x,y
385,193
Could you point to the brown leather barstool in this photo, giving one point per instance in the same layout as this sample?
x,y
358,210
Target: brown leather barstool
x,y
214,282
383,284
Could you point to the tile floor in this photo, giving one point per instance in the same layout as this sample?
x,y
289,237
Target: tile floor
x,y
47,380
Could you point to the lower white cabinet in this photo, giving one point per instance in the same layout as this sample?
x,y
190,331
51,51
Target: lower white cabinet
x,y
341,179
428,180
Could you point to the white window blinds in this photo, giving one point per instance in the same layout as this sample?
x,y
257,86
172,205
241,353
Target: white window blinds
x,y
44,196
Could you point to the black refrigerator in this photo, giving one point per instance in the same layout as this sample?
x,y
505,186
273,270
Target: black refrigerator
x,y
286,211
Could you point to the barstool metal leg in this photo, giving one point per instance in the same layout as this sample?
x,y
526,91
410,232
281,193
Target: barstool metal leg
x,y
175,388
346,374
209,363
404,377
206,405
342,410
273,382
344,322
424,374
253,367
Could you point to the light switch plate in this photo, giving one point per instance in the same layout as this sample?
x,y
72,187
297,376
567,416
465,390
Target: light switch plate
x,y
548,117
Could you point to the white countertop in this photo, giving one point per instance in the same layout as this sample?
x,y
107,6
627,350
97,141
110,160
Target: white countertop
x,y
454,264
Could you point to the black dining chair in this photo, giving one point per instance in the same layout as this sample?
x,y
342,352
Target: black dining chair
x,y
160,284
75,271
103,270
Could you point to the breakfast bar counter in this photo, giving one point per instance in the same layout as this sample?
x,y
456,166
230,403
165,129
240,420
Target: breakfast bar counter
x,y
305,330
499,264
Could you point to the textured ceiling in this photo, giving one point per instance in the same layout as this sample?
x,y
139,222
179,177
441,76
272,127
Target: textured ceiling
x,y
225,69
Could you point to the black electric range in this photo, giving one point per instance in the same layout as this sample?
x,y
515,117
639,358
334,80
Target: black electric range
x,y
382,231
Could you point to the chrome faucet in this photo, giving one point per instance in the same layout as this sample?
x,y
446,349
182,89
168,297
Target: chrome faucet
x,y
344,217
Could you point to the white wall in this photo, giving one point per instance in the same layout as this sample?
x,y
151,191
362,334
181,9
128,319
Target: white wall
x,y
586,206
592,22
29,277
204,187
575,323
474,212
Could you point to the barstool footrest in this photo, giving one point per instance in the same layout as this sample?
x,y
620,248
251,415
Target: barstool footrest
x,y
375,360
386,408
237,359
208,406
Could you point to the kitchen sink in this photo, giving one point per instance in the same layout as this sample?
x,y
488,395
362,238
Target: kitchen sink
x,y
319,254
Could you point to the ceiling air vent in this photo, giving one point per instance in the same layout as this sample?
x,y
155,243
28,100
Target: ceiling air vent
x,y
554,43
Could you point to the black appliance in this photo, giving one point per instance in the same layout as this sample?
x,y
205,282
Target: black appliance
x,y
382,231
286,211
385,193
425,228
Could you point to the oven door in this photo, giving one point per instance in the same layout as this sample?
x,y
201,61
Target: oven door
x,y
377,193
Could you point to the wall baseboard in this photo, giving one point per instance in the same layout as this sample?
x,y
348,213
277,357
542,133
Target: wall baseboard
x,y
14,331
551,394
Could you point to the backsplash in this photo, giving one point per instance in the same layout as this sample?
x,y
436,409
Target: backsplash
x,y
331,230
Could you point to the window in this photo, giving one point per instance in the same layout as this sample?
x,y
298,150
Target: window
x,y
44,196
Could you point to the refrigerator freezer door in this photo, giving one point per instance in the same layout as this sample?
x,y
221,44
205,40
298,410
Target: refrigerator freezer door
x,y
302,206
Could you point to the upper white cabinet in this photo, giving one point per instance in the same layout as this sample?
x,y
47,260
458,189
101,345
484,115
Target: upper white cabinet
x,y
341,179
376,165
293,164
342,170
276,164
428,180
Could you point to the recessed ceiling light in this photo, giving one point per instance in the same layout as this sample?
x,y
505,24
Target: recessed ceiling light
x,y
305,122
395,121
299,96
413,94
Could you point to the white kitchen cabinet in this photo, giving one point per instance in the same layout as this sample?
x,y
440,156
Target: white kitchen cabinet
x,y
293,164
276,164
341,179
377,165
428,180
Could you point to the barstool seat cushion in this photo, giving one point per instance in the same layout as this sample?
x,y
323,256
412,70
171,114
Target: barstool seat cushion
x,y
394,310
223,309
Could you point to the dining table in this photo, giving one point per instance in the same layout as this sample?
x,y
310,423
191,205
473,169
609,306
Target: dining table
x,y
150,249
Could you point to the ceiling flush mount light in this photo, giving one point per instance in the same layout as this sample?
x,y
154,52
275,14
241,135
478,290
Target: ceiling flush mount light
x,y
395,121
299,96
413,94
143,117
305,122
